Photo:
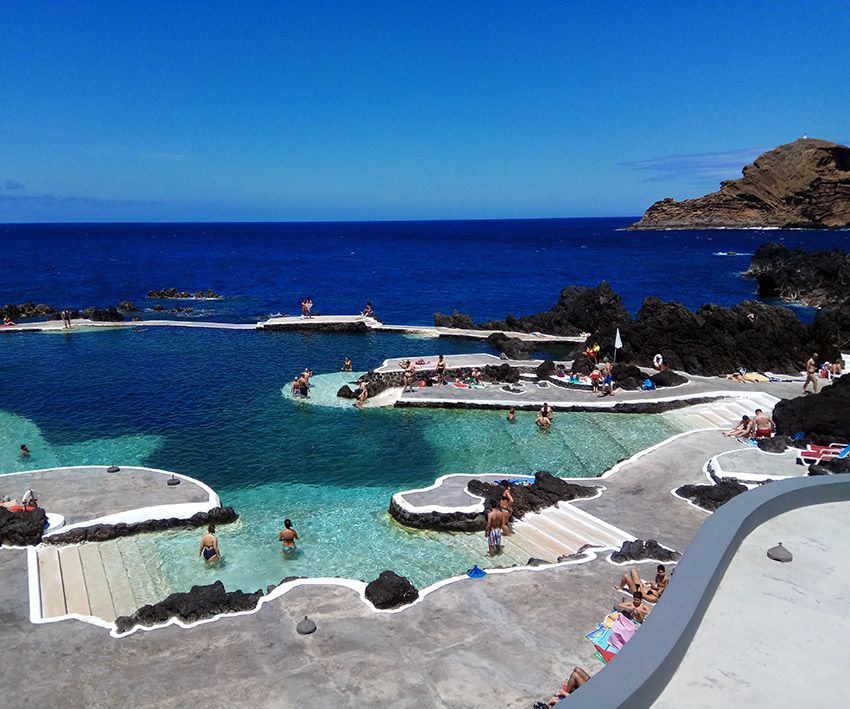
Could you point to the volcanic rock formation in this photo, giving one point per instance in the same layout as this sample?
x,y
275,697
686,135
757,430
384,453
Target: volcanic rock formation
x,y
802,184
199,603
823,416
390,590
816,278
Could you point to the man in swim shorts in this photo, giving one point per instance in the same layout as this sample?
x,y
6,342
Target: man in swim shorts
x,y
493,532
542,422
636,608
811,373
762,425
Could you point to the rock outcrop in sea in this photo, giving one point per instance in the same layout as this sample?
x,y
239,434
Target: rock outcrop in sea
x,y
804,184
815,278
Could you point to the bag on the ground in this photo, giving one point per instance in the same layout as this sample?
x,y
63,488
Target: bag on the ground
x,y
648,385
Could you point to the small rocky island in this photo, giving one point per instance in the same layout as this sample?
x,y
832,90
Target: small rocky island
x,y
804,184
175,294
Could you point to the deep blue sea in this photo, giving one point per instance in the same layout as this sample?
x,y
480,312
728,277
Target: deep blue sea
x,y
208,403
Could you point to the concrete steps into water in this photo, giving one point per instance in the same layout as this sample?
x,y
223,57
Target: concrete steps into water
x,y
104,580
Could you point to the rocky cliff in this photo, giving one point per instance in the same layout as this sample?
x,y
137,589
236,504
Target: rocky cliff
x,y
816,278
802,184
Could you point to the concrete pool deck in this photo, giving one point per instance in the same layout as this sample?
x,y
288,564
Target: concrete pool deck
x,y
437,648
85,493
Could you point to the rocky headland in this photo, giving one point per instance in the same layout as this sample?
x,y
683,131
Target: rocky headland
x,y
804,184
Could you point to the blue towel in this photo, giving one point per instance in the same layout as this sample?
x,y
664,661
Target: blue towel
x,y
475,572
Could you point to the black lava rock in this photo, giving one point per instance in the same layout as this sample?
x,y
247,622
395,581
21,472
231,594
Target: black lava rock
x,y
639,550
668,378
512,347
346,392
105,532
390,590
776,444
831,467
822,416
502,373
199,603
22,529
458,320
103,315
545,369
710,497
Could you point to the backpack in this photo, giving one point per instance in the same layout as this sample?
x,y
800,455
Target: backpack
x,y
648,385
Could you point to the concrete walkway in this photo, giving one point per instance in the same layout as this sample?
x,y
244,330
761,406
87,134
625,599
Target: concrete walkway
x,y
290,323
774,634
89,492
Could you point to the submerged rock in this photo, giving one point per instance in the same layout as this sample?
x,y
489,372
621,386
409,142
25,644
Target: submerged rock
x,y
804,184
390,590
199,603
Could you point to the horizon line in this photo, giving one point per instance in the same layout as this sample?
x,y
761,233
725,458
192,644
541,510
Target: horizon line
x,y
317,221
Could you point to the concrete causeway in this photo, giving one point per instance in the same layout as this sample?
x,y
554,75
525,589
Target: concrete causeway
x,y
350,323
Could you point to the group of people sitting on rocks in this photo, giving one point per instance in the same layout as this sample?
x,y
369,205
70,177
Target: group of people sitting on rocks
x,y
759,426
635,609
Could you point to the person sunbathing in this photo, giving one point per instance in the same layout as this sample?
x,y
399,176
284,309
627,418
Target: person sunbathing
x,y
651,590
636,609
742,428
577,678
739,376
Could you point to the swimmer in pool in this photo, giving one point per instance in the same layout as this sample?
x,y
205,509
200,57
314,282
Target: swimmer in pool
x,y
288,537
209,546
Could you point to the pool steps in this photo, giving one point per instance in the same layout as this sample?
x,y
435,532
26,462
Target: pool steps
x,y
104,580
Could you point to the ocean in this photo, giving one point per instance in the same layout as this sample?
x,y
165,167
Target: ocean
x,y
209,403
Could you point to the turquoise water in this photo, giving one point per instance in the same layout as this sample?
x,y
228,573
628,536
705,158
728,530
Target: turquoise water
x,y
215,405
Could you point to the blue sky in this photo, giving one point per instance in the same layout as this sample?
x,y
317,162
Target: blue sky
x,y
317,110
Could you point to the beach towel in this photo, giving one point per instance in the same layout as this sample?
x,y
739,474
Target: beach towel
x,y
621,632
755,377
476,573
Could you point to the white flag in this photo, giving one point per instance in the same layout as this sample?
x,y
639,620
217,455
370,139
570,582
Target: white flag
x,y
618,343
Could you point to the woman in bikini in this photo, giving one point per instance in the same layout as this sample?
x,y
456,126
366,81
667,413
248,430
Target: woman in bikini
x,y
209,546
409,374
441,370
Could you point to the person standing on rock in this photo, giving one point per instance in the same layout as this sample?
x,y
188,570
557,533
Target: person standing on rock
x,y
811,373
493,531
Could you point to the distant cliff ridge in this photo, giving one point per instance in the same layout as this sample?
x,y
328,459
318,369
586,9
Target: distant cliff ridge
x,y
804,184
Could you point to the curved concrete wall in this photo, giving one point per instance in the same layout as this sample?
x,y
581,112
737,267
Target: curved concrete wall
x,y
642,669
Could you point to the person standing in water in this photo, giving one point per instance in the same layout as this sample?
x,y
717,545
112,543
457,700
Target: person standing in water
x,y
287,537
209,546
